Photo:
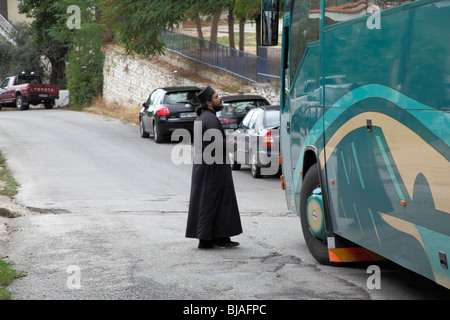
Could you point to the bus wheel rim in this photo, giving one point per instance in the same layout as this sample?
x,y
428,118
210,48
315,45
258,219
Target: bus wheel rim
x,y
315,216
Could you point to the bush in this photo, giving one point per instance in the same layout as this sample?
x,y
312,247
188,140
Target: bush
x,y
85,74
84,68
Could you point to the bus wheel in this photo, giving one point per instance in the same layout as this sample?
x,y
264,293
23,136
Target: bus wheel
x,y
312,216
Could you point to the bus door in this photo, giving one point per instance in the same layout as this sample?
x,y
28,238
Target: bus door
x,y
302,90
285,116
270,21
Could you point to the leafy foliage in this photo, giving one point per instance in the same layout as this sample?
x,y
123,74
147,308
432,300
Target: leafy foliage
x,y
80,48
85,58
44,17
23,56
137,24
134,24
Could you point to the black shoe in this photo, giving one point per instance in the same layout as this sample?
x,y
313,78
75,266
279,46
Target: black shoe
x,y
221,241
229,244
205,244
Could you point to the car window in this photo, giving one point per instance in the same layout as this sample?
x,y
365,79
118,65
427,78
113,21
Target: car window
x,y
254,118
160,97
182,97
28,79
152,97
5,83
246,122
272,118
242,107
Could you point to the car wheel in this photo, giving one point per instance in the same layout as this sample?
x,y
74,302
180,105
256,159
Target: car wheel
x,y
19,103
255,169
143,133
312,216
157,134
234,165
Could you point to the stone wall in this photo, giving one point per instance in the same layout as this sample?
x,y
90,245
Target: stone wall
x,y
129,80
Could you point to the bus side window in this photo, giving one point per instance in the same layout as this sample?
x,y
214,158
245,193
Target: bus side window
x,y
304,29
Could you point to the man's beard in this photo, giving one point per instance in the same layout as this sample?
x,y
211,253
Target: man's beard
x,y
218,107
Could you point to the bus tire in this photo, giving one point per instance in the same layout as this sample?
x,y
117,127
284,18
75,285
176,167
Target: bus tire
x,y
318,248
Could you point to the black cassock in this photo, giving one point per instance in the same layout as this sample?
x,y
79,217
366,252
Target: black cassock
x,y
213,209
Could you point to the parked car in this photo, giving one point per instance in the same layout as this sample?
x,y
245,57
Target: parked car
x,y
236,107
257,141
168,109
25,89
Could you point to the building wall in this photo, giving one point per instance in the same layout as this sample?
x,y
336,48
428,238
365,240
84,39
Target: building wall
x,y
13,12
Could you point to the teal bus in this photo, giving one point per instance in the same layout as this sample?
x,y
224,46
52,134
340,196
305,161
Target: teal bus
x,y
364,135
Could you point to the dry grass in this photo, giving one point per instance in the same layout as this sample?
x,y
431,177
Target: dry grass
x,y
127,114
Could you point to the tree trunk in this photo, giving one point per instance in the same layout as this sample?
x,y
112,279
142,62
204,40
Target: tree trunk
x,y
258,33
56,53
242,34
215,25
231,28
57,74
198,24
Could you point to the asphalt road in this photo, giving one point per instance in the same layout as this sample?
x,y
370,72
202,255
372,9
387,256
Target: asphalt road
x,y
109,220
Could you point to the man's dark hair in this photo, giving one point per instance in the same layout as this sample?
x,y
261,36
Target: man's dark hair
x,y
201,108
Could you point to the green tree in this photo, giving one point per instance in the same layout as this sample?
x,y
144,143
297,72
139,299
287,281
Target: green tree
x,y
79,28
231,41
248,9
194,14
69,34
6,57
23,56
215,8
136,24
44,14
211,9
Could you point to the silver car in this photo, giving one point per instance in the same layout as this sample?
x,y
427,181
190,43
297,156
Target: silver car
x,y
256,142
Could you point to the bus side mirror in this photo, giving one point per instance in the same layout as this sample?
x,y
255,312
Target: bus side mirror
x,y
269,22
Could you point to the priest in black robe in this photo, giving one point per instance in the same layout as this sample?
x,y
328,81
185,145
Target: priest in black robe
x,y
213,215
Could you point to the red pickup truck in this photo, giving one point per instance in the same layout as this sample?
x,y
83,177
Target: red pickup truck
x,y
25,89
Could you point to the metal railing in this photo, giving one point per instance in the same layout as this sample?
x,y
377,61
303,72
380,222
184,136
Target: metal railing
x,y
243,65
5,27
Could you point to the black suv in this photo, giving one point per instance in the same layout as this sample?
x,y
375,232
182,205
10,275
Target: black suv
x,y
168,109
